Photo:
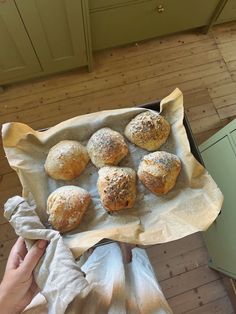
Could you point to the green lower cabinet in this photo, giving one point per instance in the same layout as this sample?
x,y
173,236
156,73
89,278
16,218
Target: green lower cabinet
x,y
56,29
233,135
228,13
103,4
219,155
40,37
17,56
120,23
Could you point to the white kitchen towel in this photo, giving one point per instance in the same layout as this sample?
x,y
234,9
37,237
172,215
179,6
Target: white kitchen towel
x,y
57,275
110,287
122,288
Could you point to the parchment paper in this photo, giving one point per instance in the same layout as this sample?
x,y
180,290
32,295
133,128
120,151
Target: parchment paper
x,y
191,206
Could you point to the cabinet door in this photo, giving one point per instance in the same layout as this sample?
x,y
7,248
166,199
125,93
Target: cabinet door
x,y
228,13
56,30
17,56
220,161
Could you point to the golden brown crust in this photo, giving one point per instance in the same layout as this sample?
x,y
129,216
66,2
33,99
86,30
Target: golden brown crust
x,y
158,171
117,187
107,147
66,160
66,206
148,130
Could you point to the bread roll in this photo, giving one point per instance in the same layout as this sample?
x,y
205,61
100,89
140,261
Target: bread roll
x,y
148,130
158,171
117,187
66,206
66,160
107,148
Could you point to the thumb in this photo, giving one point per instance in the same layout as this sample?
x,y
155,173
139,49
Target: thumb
x,y
32,257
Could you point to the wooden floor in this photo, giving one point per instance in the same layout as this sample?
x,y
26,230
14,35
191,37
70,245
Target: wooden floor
x,y
204,68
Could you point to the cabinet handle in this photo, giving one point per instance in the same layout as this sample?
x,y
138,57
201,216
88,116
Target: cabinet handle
x,y
160,8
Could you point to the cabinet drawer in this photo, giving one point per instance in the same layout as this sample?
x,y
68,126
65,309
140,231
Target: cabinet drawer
x,y
140,20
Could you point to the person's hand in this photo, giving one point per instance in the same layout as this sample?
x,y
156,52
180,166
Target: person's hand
x,y
18,287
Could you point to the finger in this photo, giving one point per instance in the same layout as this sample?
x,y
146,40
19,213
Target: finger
x,y
126,250
17,254
32,257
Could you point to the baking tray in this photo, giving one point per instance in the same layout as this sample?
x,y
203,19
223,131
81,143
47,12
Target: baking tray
x,y
155,105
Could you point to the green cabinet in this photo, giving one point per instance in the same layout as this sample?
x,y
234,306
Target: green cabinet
x,y
233,135
219,155
118,22
17,55
41,37
228,13
102,4
56,29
